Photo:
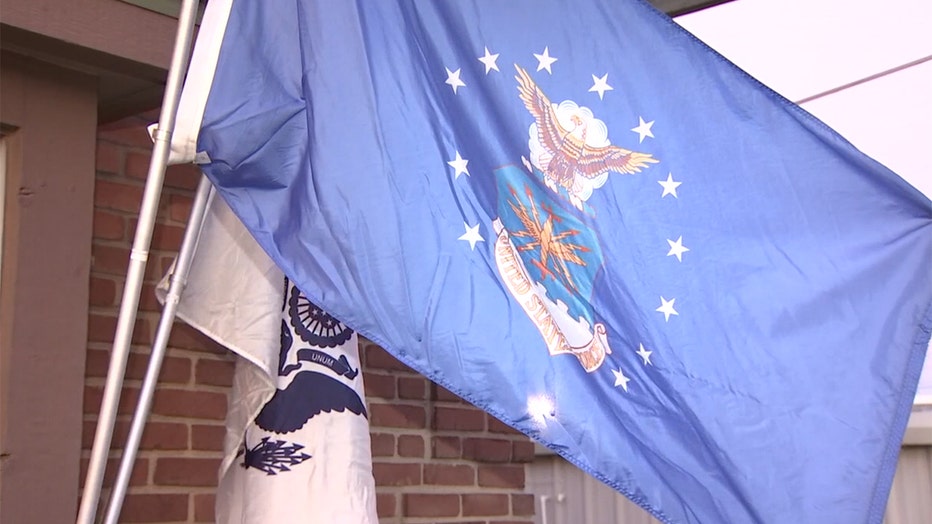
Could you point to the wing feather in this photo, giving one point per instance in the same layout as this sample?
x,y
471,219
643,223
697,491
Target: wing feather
x,y
308,395
549,129
595,161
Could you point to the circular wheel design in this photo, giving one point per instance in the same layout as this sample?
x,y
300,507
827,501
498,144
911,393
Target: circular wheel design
x,y
314,325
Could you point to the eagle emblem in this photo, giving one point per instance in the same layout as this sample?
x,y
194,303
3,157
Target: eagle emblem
x,y
570,146
547,256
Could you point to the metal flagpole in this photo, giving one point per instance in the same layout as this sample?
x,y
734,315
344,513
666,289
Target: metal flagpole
x,y
137,264
179,279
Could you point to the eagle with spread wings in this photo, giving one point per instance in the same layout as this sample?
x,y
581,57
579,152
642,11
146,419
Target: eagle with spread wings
x,y
570,158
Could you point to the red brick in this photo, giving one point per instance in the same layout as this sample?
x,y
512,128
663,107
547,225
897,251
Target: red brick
x,y
442,394
155,435
179,207
175,370
108,226
522,504
522,451
164,436
158,266
214,372
482,504
412,388
162,507
148,301
137,165
109,158
137,477
411,446
392,474
101,328
103,292
386,505
458,419
446,447
109,260
204,504
191,404
187,471
93,396
165,237
487,450
378,385
378,358
207,438
117,196
397,416
497,426
179,176
383,444
184,336
449,474
182,176
430,505
501,476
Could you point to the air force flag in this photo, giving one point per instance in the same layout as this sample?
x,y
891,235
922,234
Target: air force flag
x,y
586,222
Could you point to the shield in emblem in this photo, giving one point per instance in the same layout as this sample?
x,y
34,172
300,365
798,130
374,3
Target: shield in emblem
x,y
549,259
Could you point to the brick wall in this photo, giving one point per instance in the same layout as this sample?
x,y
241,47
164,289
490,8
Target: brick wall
x,y
435,457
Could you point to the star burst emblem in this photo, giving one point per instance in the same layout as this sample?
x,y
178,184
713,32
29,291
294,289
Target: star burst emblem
x,y
545,235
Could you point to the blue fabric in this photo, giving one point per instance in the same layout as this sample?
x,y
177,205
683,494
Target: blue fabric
x,y
786,343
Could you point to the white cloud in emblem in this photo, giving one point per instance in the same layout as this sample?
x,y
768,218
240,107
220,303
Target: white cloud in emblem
x,y
592,129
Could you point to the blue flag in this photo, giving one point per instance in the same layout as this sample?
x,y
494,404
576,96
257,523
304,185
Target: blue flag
x,y
581,219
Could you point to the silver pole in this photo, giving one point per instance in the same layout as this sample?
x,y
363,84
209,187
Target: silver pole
x,y
137,265
179,279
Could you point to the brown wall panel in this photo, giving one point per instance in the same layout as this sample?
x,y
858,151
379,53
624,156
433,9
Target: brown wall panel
x,y
44,292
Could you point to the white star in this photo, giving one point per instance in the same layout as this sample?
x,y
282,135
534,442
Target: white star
x,y
544,61
600,85
621,379
677,248
643,353
669,186
489,61
643,129
666,307
453,79
471,235
459,164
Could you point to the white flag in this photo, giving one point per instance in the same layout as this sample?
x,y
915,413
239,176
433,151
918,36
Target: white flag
x,y
297,443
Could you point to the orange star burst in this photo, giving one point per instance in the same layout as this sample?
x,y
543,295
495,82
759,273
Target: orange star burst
x,y
555,252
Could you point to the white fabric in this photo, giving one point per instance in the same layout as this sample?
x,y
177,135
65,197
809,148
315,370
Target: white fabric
x,y
235,295
197,83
